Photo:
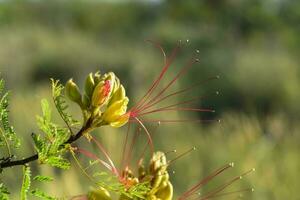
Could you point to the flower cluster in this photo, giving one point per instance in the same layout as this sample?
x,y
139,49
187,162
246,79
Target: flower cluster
x,y
104,101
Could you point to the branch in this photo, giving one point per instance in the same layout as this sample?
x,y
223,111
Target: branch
x,y
73,138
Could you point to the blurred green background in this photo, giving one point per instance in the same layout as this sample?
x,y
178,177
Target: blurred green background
x,y
253,45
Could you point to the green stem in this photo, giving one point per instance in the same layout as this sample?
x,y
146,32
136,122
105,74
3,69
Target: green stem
x,y
34,157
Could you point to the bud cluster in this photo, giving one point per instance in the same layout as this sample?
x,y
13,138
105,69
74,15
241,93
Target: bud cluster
x,y
103,102
160,188
157,176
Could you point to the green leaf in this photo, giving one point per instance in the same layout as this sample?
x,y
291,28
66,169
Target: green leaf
x,y
43,178
41,194
50,147
61,104
58,162
26,182
46,110
8,136
3,190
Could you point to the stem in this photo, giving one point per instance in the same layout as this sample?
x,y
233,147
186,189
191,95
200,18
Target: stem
x,y
34,157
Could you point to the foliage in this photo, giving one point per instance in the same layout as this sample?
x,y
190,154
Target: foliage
x,y
26,182
8,137
41,194
4,192
51,147
61,105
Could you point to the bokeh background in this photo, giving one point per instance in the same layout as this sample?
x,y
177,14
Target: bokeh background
x,y
253,45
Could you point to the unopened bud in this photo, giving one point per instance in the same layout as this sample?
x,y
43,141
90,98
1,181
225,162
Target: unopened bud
x,y
100,193
89,85
118,95
166,192
101,93
86,101
97,77
72,91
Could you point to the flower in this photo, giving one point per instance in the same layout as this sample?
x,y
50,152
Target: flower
x,y
152,181
104,101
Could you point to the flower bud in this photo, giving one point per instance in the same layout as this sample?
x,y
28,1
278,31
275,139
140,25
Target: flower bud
x,y
118,95
86,102
89,85
98,194
165,193
115,115
72,91
101,93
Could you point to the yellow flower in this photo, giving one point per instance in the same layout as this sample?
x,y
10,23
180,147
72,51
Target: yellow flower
x,y
99,194
115,115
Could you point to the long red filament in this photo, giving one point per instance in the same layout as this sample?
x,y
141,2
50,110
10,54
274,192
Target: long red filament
x,y
178,92
99,145
181,155
147,144
156,44
204,181
223,187
157,81
94,157
125,146
176,121
181,72
134,139
147,133
177,109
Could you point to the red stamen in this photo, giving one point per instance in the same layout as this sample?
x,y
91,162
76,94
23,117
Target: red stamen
x,y
229,193
99,145
134,138
204,181
178,92
160,48
157,81
147,144
223,187
177,109
181,155
125,147
180,73
176,121
94,157
147,133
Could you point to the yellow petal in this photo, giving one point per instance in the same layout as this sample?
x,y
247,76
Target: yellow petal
x,y
115,114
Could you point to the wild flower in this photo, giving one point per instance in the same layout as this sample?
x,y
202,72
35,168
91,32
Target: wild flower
x,y
135,180
104,101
